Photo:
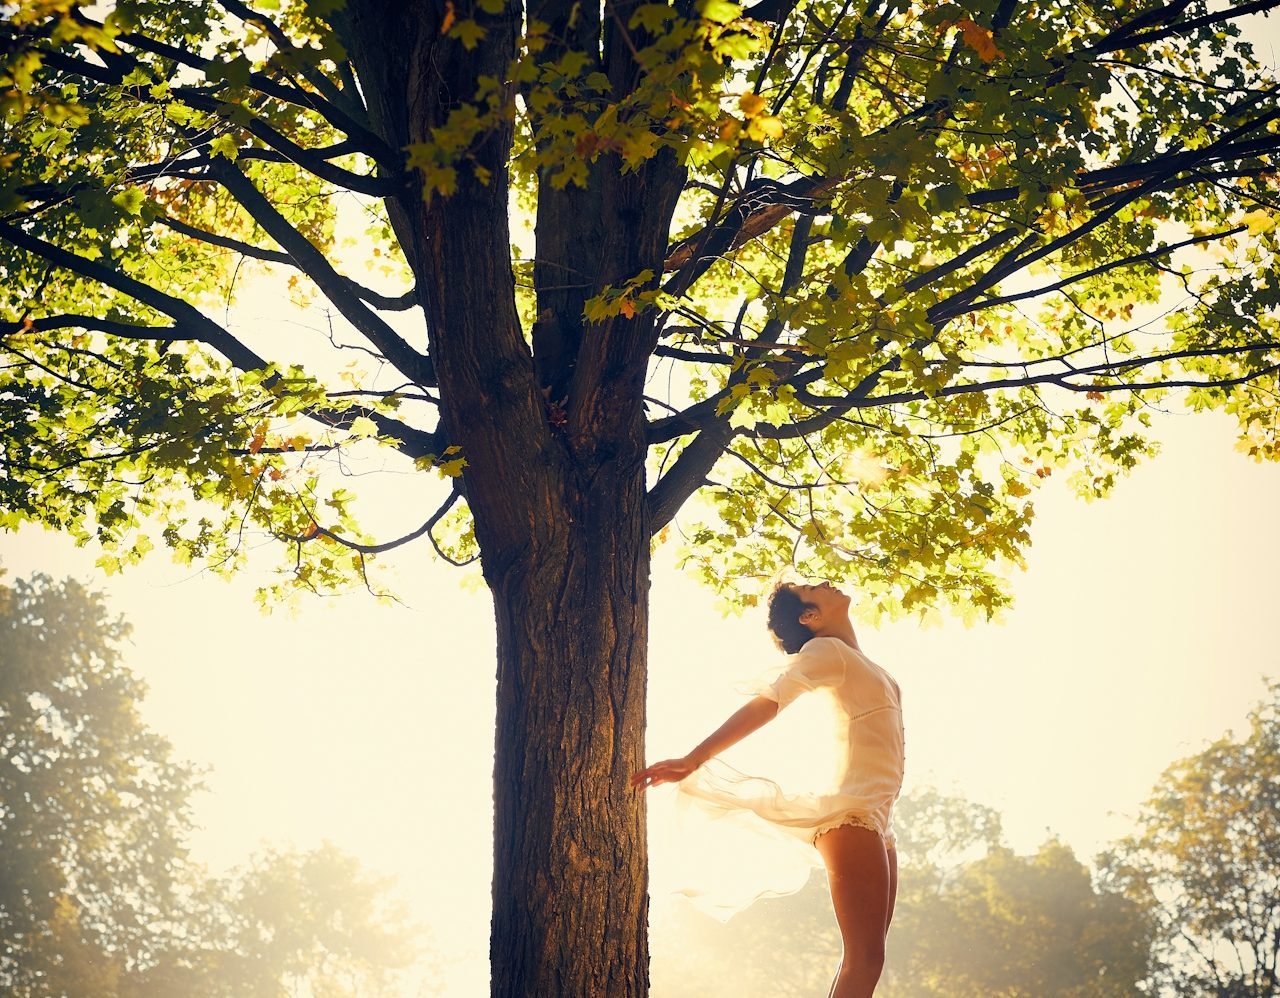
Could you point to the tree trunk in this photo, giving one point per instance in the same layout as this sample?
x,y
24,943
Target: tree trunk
x,y
570,879
555,480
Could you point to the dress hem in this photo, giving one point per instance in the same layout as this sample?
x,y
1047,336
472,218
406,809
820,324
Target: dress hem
x,y
856,821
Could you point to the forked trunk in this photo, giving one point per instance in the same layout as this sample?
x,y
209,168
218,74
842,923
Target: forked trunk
x,y
570,882
555,481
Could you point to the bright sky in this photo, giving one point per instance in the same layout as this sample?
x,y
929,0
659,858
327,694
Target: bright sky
x,y
1143,628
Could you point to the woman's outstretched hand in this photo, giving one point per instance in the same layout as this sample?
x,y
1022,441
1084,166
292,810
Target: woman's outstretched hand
x,y
667,771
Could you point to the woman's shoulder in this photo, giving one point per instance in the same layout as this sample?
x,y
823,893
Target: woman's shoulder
x,y
824,654
827,645
822,647
853,660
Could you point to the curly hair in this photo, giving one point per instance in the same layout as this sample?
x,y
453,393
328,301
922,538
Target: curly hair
x,y
785,607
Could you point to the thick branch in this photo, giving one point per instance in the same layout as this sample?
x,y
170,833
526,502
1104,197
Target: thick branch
x,y
772,206
330,110
126,330
1104,268
696,356
697,459
321,533
309,159
688,473
380,301
200,328
226,242
1126,36
413,365
1061,379
960,302
760,210
963,259
190,325
332,92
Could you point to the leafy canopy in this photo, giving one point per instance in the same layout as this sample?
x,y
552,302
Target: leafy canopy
x,y
925,256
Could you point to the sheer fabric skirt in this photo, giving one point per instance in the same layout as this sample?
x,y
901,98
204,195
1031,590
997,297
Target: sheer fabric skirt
x,y
738,837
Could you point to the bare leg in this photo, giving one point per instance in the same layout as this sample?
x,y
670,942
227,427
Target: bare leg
x,y
893,886
858,871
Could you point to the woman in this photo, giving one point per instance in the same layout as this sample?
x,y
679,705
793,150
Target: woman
x,y
851,827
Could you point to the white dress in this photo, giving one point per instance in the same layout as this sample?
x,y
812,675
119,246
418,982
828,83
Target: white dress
x,y
864,782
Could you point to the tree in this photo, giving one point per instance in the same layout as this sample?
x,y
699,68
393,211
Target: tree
x,y
98,896
1207,850
976,919
1021,925
858,277
286,923
93,808
312,918
973,920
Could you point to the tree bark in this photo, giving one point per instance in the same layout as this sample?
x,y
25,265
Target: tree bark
x,y
570,879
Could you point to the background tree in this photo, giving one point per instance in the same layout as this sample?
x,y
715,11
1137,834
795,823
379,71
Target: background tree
x,y
788,947
858,276
98,897
93,807
286,923
1021,925
1208,851
973,920
313,923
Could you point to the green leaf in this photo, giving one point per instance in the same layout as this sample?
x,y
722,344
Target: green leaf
x,y
129,200
236,72
651,16
225,145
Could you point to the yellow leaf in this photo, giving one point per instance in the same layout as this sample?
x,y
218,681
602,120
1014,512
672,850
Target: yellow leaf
x,y
767,127
468,32
751,104
439,178
1259,221
363,426
450,15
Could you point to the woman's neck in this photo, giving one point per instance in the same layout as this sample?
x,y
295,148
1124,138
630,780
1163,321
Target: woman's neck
x,y
842,630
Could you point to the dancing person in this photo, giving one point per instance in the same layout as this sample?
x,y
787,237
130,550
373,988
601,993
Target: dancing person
x,y
851,827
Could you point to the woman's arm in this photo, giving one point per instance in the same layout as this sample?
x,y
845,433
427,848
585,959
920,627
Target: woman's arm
x,y
741,723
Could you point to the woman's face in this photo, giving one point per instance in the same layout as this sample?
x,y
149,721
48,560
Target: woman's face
x,y
829,600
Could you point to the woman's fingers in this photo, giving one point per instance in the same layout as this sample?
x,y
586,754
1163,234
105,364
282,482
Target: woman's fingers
x,y
646,777
658,773
668,770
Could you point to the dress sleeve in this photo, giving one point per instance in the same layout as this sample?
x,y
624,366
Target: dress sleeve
x,y
818,663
